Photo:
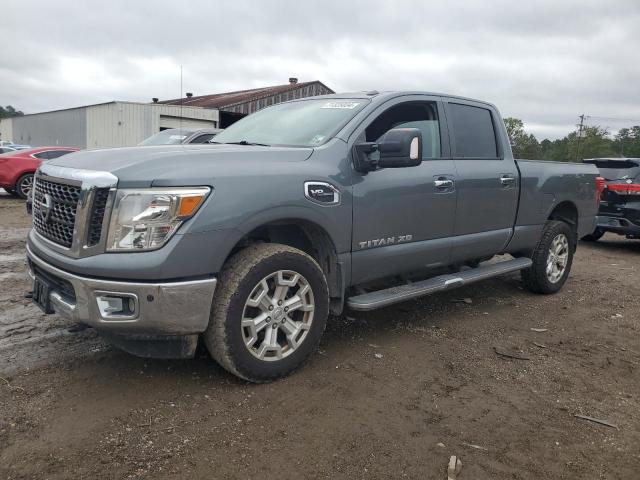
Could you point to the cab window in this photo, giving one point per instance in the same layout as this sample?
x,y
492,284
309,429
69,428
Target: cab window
x,y
420,115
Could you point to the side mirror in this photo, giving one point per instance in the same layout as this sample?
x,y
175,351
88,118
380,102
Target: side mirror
x,y
398,148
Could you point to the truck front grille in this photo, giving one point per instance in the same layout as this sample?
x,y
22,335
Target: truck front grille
x,y
54,210
97,216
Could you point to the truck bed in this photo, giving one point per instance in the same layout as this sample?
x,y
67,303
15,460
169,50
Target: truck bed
x,y
545,184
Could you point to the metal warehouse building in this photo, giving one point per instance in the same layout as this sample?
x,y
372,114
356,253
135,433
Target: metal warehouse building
x,y
121,124
113,124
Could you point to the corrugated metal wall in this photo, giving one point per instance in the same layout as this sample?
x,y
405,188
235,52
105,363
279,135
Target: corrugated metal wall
x,y
303,92
67,128
6,129
122,124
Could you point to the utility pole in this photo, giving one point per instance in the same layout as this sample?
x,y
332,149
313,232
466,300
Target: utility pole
x,y
579,137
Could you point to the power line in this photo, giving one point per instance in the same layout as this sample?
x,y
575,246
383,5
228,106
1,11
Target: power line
x,y
614,118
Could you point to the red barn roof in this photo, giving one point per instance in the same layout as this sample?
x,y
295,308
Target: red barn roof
x,y
225,100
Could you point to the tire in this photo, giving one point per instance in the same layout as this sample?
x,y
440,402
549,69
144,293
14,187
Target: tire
x,y
540,278
24,185
595,236
245,348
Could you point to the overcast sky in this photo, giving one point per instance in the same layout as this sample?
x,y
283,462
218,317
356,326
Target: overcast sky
x,y
545,62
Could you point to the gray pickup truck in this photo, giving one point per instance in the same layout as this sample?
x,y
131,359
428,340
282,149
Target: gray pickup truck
x,y
294,213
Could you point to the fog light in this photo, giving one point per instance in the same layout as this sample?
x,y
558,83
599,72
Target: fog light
x,y
117,306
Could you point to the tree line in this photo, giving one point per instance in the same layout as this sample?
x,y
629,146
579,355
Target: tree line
x,y
588,142
9,111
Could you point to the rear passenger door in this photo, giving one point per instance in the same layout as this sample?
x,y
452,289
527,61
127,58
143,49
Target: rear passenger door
x,y
487,181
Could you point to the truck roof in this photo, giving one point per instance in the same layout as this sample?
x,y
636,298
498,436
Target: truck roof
x,y
380,96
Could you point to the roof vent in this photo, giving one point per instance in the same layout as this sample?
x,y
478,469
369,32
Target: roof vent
x,y
189,94
155,99
293,80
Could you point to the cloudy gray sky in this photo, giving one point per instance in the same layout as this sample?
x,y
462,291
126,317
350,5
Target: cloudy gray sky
x,y
543,61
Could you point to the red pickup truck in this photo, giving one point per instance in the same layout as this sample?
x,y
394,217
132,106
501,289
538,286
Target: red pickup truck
x,y
17,168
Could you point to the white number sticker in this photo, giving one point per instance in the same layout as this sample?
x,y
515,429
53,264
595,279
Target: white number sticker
x,y
347,105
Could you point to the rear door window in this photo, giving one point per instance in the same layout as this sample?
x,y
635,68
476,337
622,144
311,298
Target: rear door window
x,y
474,135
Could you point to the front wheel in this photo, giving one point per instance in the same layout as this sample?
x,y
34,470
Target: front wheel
x,y
552,259
24,185
269,312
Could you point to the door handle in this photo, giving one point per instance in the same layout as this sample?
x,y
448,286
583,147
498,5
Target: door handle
x,y
507,180
443,183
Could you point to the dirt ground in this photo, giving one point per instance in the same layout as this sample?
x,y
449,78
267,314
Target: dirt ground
x,y
390,394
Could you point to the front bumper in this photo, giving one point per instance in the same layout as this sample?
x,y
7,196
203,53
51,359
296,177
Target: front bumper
x,y
160,308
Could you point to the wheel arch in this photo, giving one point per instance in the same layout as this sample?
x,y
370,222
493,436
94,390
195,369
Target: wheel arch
x,y
18,175
307,236
566,212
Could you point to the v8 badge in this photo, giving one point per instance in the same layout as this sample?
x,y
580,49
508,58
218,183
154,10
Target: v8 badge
x,y
322,193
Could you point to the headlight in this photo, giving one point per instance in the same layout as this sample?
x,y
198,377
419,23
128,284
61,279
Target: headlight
x,y
145,219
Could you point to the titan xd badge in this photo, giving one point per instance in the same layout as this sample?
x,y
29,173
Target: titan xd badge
x,y
381,242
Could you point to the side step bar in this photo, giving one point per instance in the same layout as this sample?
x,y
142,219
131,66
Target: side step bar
x,y
382,298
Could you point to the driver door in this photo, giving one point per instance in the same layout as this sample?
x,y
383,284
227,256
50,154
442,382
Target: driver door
x,y
404,218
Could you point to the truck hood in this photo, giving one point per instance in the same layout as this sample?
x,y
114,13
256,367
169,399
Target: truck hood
x,y
170,165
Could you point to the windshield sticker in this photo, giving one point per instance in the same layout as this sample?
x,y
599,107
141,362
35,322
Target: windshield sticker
x,y
341,105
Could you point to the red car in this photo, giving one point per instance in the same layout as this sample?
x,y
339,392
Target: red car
x,y
17,168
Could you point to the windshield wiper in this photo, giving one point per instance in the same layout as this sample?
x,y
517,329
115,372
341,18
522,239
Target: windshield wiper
x,y
245,142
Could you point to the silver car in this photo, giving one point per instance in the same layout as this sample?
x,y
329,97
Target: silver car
x,y
177,136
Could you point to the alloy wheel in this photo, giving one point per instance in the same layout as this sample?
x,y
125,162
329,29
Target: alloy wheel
x,y
557,258
277,315
26,185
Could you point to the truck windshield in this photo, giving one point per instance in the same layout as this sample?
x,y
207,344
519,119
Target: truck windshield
x,y
617,169
306,123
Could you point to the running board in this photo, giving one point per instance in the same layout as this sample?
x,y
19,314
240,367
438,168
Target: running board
x,y
382,298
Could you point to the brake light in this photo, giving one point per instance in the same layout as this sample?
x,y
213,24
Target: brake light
x,y
625,188
600,186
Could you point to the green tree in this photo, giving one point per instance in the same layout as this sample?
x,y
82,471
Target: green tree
x,y
593,142
9,111
523,144
627,142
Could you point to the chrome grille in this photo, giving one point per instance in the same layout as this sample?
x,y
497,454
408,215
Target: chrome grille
x,y
70,207
54,210
97,216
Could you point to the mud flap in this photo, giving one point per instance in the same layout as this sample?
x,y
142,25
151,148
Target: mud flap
x,y
155,346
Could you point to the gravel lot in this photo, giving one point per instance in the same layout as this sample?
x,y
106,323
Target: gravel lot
x,y
391,394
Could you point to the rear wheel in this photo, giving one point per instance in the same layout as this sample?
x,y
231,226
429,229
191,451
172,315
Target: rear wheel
x,y
24,185
552,259
595,236
269,312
